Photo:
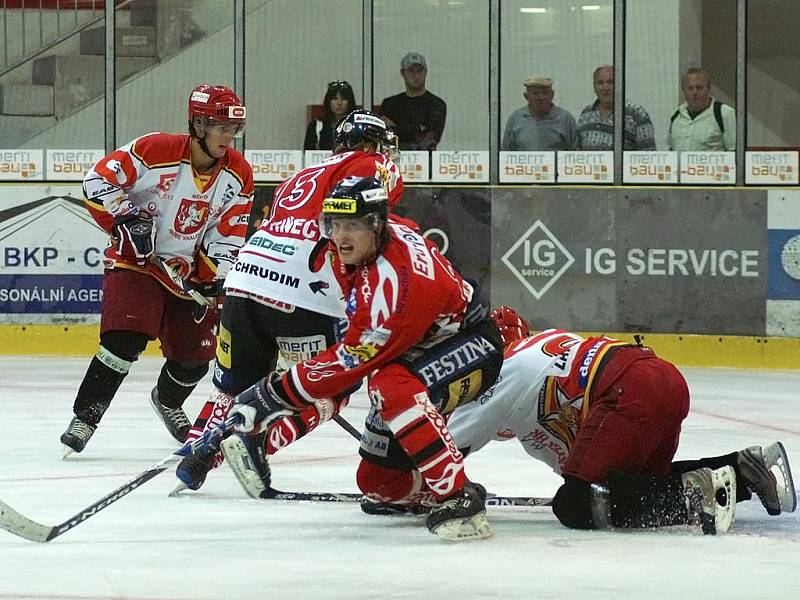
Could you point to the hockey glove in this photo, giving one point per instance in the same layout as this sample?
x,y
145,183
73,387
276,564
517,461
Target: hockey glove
x,y
260,405
134,237
214,292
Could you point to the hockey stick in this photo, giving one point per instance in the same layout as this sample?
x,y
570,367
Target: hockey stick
x,y
18,524
273,494
181,284
345,424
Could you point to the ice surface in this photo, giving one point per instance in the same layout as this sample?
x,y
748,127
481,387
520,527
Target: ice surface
x,y
218,543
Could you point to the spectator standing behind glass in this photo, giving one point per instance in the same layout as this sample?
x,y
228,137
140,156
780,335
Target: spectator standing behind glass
x,y
417,116
596,123
701,123
339,101
541,125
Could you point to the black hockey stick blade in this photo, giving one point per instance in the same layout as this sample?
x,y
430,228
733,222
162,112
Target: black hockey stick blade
x,y
273,494
20,525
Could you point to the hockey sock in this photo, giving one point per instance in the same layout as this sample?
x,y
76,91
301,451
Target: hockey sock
x,y
646,500
99,385
715,462
177,381
290,429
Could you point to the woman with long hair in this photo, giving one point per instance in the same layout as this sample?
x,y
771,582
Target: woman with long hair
x,y
339,101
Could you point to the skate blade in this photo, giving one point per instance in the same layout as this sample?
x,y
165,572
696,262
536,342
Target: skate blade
x,y
177,489
464,530
778,464
723,479
66,452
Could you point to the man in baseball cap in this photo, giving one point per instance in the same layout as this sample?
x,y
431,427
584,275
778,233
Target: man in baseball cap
x,y
416,115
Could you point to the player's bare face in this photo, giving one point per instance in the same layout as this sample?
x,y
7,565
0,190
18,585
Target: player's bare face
x,y
354,240
218,140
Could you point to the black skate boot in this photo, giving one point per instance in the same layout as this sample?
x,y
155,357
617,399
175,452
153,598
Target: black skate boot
x,y
76,436
175,420
194,467
766,472
462,516
710,498
247,458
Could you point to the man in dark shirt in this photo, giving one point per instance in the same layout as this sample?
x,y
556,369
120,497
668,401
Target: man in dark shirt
x,y
416,115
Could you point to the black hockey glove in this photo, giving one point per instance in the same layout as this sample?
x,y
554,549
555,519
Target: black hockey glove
x,y
134,236
214,292
260,405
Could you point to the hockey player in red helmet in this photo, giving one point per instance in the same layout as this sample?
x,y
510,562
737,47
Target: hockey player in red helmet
x,y
178,199
215,110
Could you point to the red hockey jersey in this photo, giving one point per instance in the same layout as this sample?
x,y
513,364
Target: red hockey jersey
x,y
410,298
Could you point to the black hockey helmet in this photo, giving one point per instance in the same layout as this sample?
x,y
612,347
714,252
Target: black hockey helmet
x,y
361,126
356,198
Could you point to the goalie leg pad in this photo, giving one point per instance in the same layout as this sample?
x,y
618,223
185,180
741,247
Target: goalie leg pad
x,y
247,459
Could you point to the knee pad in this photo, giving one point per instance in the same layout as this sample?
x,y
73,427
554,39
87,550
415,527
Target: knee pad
x,y
388,485
572,504
127,345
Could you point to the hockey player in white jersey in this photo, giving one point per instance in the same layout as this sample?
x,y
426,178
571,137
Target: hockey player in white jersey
x,y
284,304
606,415
169,202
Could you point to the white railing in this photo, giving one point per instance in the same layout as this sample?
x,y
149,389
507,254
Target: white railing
x,y
467,166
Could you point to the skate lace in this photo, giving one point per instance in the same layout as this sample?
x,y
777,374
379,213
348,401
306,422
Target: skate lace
x,y
81,430
176,416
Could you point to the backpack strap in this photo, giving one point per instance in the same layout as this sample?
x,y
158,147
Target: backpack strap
x,y
718,115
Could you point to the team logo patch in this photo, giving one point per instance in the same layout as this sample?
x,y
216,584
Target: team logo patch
x,y
364,352
339,205
463,390
191,217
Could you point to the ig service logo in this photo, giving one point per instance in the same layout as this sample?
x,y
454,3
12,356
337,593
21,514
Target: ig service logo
x,y
538,259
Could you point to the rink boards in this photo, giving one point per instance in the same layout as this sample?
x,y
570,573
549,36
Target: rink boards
x,y
709,276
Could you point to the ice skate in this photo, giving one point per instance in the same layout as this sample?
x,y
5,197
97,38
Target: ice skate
x,y
194,467
711,498
767,473
76,436
174,419
461,517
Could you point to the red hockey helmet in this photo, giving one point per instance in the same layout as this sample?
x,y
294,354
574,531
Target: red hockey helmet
x,y
216,106
511,324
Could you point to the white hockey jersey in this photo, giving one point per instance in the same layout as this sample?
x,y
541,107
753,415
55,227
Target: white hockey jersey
x,y
541,396
273,267
197,231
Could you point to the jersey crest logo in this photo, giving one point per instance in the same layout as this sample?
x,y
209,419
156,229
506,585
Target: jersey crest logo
x,y
191,217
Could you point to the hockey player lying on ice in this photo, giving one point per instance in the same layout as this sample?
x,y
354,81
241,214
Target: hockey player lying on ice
x,y
607,415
